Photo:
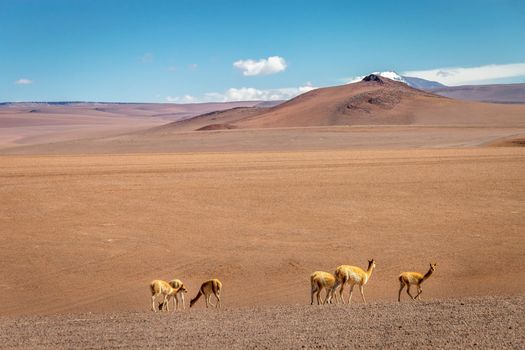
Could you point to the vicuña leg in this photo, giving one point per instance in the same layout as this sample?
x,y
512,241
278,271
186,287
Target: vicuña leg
x,y
175,302
350,294
153,302
362,294
327,297
401,286
209,301
408,292
312,292
318,297
218,304
166,303
335,296
341,292
419,291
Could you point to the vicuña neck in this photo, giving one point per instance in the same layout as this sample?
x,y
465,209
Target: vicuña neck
x,y
427,275
370,269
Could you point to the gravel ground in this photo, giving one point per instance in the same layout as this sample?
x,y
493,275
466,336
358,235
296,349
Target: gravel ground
x,y
488,322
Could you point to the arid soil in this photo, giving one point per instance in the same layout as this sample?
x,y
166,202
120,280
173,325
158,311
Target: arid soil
x,y
95,206
88,233
28,123
477,323
159,140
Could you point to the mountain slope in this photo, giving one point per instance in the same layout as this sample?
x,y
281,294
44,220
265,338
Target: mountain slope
x,y
373,101
422,84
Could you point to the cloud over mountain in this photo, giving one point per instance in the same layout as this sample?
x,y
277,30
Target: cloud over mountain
x,y
471,75
245,94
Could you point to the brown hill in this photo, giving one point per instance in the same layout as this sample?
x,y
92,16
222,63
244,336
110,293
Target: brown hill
x,y
497,93
374,101
382,113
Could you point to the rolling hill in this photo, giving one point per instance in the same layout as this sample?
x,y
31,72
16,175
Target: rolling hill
x,y
375,100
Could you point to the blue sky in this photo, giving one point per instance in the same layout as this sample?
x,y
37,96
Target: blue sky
x,y
192,51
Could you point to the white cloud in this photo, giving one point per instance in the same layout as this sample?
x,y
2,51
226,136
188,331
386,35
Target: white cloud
x,y
471,75
245,94
181,99
264,66
193,66
23,81
351,80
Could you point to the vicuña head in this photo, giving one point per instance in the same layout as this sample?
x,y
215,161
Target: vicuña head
x,y
352,275
207,288
408,278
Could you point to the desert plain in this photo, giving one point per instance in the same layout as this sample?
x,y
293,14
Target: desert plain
x,y
87,222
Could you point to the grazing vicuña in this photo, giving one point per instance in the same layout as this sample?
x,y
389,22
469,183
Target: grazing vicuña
x,y
207,288
181,290
159,287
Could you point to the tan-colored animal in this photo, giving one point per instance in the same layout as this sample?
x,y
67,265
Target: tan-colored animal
x,y
207,288
181,290
408,278
352,275
320,280
159,287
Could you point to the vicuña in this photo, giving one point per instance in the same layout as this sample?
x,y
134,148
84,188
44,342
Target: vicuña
x,y
159,287
352,275
207,288
408,278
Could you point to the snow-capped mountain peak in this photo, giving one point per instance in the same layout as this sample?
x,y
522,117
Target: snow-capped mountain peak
x,y
417,83
392,75
388,74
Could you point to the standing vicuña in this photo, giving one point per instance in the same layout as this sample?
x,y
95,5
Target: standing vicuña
x,y
181,290
408,278
177,284
320,280
159,287
207,288
352,275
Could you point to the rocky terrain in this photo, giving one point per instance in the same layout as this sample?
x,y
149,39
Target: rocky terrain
x,y
468,323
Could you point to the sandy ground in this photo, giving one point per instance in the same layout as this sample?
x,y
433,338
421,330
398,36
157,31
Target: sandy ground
x,y
95,205
159,140
88,233
477,323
